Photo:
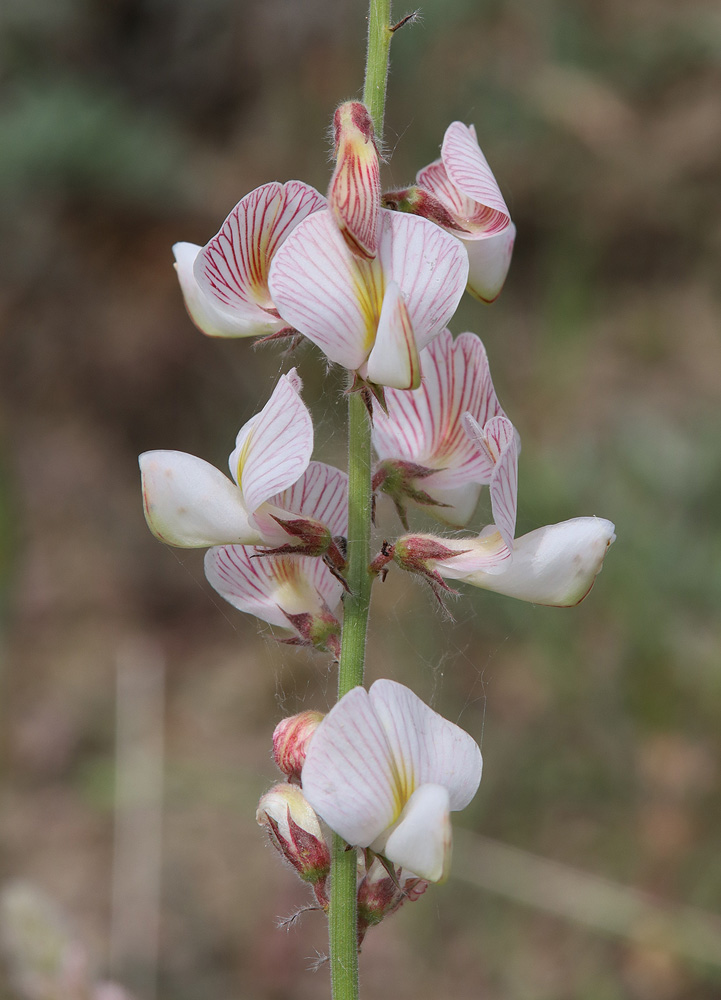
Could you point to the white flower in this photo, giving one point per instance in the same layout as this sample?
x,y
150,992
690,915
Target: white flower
x,y
460,193
297,592
384,771
191,504
371,316
225,283
424,429
554,565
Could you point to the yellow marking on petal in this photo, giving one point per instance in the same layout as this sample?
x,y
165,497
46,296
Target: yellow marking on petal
x,y
292,592
404,784
243,458
370,287
260,254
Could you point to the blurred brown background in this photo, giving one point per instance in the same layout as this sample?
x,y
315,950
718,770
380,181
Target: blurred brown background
x,y
126,125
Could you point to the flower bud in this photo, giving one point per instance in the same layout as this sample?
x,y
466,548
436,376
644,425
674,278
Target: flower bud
x,y
380,895
354,195
294,830
290,742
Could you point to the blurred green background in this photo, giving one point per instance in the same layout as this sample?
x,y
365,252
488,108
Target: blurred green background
x,y
127,125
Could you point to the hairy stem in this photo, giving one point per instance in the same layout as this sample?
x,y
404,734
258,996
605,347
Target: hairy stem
x,y
342,916
379,43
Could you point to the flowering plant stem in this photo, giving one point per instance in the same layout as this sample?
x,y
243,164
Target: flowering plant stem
x,y
342,915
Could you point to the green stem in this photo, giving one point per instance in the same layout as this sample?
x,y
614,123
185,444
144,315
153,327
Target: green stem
x,y
342,915
357,602
379,44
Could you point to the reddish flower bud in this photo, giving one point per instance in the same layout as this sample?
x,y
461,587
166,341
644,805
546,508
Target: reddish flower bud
x,y
380,894
295,831
290,742
354,195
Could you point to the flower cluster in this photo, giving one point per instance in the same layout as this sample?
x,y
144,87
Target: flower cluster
x,y
372,280
383,771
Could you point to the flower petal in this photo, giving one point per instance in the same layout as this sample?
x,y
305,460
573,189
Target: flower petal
x,y
425,262
425,426
555,565
190,503
321,289
232,270
335,299
489,261
468,171
434,179
207,312
427,748
459,502
348,776
498,441
320,493
273,449
267,586
421,840
393,360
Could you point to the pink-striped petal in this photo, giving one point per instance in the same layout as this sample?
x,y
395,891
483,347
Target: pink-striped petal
x,y
489,261
434,179
232,270
273,449
427,748
267,586
425,426
333,298
320,493
555,565
498,441
384,770
394,360
208,314
354,195
191,504
349,773
468,171
321,289
426,264
421,840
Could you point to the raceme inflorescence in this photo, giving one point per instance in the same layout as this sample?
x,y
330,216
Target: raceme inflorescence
x,y
372,280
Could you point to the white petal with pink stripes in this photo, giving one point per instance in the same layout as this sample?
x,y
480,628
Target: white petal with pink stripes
x,y
271,587
425,426
225,283
384,771
338,301
464,184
